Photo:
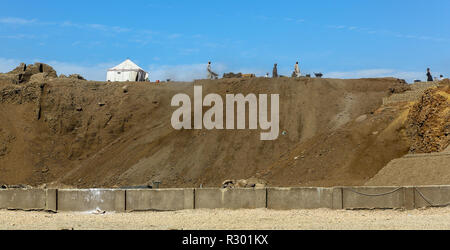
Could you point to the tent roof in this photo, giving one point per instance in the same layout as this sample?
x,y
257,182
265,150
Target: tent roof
x,y
127,65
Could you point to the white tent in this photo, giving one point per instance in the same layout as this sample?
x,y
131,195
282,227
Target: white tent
x,y
127,71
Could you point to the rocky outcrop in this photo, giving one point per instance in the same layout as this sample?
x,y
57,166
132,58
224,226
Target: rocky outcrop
x,y
77,76
26,73
429,121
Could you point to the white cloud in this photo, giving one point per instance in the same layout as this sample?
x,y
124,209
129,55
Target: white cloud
x,y
69,24
94,26
186,72
288,19
65,24
16,21
96,72
174,36
373,73
106,28
387,32
18,36
188,52
7,65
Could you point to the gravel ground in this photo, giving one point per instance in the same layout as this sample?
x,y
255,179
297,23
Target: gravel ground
x,y
438,218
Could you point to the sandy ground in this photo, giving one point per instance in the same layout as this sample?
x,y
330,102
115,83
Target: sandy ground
x,y
436,218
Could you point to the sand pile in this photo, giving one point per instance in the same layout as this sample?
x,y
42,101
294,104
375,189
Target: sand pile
x,y
348,156
95,134
429,121
428,126
68,131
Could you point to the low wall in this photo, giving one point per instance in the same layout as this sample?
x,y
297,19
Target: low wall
x,y
303,198
33,199
437,196
374,198
230,198
159,199
76,200
28,199
118,200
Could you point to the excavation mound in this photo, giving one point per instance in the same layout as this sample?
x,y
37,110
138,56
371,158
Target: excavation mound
x,y
428,126
65,131
429,121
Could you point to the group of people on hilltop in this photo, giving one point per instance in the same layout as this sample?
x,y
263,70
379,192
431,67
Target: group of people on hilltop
x,y
297,73
430,77
212,75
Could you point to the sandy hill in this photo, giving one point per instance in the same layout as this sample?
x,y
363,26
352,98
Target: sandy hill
x,y
68,131
96,134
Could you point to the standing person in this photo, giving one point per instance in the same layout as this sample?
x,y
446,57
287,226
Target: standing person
x,y
211,74
275,71
208,69
429,76
297,70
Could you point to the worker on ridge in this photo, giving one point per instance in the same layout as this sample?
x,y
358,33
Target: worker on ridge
x,y
297,70
429,76
211,74
275,71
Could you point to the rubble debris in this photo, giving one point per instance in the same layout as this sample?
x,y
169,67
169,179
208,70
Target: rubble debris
x,y
401,87
232,75
77,76
249,183
429,121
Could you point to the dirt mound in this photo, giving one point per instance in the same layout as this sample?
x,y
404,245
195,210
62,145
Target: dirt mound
x,y
446,81
24,73
401,87
96,134
428,127
348,156
429,121
73,76
232,75
9,79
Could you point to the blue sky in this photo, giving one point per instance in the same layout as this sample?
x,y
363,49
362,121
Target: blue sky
x,y
175,39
